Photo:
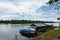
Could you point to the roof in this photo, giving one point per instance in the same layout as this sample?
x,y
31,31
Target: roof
x,y
39,25
32,25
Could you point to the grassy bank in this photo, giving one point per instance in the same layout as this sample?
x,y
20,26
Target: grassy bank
x,y
49,35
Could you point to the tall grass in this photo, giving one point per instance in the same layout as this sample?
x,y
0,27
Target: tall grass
x,y
16,37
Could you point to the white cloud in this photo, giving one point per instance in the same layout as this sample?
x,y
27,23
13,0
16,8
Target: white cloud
x,y
25,9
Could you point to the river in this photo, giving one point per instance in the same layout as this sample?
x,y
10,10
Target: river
x,y
9,31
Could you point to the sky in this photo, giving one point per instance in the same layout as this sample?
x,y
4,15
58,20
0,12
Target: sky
x,y
27,10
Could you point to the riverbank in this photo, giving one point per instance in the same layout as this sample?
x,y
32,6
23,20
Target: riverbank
x,y
49,35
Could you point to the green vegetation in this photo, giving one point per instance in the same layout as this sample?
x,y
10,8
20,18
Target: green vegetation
x,y
52,1
55,2
16,37
58,18
22,21
49,35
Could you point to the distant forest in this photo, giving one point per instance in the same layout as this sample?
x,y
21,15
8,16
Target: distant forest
x,y
22,21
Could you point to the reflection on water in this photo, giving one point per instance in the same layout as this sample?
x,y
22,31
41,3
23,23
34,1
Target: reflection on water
x,y
8,31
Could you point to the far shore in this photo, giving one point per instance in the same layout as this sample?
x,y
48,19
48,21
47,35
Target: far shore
x,y
23,22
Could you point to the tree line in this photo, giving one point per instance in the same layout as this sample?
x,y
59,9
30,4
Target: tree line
x,y
22,21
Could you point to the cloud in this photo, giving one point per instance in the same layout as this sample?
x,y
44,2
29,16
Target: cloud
x,y
48,12
27,10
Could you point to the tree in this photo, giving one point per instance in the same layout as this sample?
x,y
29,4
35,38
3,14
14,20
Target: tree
x,y
52,1
58,18
59,23
55,2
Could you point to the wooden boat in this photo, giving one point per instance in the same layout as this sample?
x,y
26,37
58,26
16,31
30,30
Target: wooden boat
x,y
28,33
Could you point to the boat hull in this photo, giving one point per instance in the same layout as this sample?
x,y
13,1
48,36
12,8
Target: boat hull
x,y
28,33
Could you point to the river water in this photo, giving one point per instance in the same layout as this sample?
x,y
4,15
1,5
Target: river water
x,y
9,31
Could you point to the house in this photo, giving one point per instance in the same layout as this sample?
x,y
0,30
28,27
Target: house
x,y
34,28
41,27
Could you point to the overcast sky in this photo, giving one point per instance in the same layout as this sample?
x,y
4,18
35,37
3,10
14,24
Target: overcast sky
x,y
27,10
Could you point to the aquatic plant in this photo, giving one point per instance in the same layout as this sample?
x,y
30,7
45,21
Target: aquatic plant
x,y
16,37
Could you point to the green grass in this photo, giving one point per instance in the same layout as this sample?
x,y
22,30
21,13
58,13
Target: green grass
x,y
54,33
